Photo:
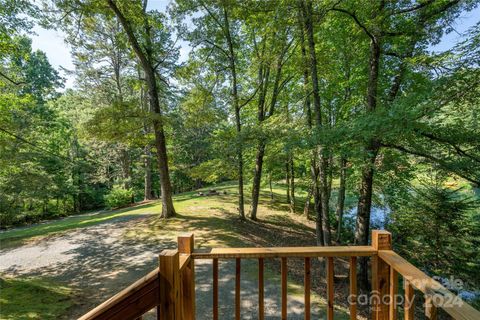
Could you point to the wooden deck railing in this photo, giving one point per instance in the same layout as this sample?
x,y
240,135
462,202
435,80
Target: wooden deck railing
x,y
171,288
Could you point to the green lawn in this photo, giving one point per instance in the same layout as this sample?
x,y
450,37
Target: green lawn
x,y
33,299
183,203
14,235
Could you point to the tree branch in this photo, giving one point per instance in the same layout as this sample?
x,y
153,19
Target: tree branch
x,y
17,83
354,17
414,8
433,159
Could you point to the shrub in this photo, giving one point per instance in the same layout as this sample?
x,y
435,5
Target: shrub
x,y
118,197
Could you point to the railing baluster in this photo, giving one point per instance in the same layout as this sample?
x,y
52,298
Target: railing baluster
x,y
215,289
306,284
186,244
284,288
330,288
381,241
409,306
353,288
237,288
261,311
169,285
430,309
392,310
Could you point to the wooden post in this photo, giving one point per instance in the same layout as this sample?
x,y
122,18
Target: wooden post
x,y
284,287
381,240
261,290
186,244
353,288
393,294
409,304
169,286
237,288
215,289
330,293
307,283
430,309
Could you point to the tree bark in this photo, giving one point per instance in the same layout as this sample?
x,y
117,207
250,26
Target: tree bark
x,y
306,206
292,184
322,163
362,226
257,179
263,75
341,196
313,163
125,161
147,162
236,107
270,184
287,180
160,142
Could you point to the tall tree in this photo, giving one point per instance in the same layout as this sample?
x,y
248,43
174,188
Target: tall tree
x,y
137,25
307,12
380,24
271,48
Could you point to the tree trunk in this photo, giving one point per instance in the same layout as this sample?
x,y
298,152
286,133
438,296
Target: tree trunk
x,y
236,106
313,163
160,142
147,162
270,184
318,218
287,178
306,207
322,165
317,204
257,179
341,196
126,169
263,74
362,226
292,184
324,196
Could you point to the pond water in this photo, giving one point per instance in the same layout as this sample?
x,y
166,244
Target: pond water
x,y
379,216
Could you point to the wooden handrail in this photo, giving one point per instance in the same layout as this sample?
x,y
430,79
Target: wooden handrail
x,y
430,287
129,303
171,287
144,294
283,252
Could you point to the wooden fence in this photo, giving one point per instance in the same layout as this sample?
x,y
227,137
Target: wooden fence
x,y
171,287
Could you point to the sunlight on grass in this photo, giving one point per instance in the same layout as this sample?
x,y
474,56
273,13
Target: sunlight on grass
x,y
215,210
33,299
73,222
